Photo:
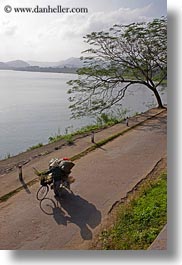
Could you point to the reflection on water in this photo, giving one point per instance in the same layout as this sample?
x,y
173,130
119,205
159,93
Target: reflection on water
x,y
34,106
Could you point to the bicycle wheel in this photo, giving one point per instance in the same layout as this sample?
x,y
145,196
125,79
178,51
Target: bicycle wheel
x,y
42,192
47,205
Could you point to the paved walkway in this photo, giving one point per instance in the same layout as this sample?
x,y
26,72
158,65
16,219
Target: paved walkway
x,y
10,181
103,177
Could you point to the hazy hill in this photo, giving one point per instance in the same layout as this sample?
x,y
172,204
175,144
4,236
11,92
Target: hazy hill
x,y
43,64
3,66
70,62
17,64
65,66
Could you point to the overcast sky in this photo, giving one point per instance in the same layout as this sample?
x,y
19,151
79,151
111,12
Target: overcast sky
x,y
54,37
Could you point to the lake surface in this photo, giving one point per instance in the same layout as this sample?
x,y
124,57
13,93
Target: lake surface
x,y
34,106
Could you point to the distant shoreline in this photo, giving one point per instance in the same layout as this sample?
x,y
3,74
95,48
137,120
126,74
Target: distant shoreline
x,y
70,65
10,163
64,70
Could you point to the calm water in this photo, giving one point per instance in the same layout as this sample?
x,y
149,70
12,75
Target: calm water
x,y
34,106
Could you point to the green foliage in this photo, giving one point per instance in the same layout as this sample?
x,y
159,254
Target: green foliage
x,y
140,221
102,121
69,139
123,56
107,119
87,129
35,146
53,139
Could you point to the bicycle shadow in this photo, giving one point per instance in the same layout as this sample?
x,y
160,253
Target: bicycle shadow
x,y
74,209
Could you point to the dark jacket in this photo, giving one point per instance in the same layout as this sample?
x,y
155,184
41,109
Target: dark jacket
x,y
57,173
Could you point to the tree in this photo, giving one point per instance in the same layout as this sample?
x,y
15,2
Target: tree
x,y
123,56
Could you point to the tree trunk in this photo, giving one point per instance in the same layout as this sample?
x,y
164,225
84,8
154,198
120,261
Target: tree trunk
x,y
159,101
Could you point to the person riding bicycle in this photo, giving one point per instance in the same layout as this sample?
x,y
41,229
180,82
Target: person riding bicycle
x,y
58,175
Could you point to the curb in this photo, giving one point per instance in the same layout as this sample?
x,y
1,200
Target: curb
x,y
160,243
81,154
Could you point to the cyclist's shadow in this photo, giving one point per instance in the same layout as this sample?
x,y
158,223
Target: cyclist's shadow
x,y
74,209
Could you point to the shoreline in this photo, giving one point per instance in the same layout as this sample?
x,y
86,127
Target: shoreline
x,y
26,156
45,70
9,164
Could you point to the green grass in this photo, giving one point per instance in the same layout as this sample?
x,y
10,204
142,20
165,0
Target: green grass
x,y
139,221
35,146
103,122
69,139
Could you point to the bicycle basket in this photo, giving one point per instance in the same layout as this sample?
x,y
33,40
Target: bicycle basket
x,y
46,180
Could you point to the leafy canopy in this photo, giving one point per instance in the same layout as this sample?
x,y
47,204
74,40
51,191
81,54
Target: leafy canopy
x,y
123,56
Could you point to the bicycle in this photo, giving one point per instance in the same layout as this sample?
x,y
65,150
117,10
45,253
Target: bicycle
x,y
47,184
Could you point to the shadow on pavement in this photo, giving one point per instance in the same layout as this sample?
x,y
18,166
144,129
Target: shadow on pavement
x,y
25,186
157,125
100,147
71,208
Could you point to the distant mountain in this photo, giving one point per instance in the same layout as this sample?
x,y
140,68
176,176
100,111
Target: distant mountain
x,y
65,66
43,64
17,64
70,63
3,66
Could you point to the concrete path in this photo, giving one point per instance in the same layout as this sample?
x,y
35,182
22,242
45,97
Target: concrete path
x,y
160,243
10,181
102,177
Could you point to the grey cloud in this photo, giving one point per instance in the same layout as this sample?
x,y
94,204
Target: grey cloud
x,y
103,20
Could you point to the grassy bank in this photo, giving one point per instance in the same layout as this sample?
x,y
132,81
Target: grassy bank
x,y
139,221
103,121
